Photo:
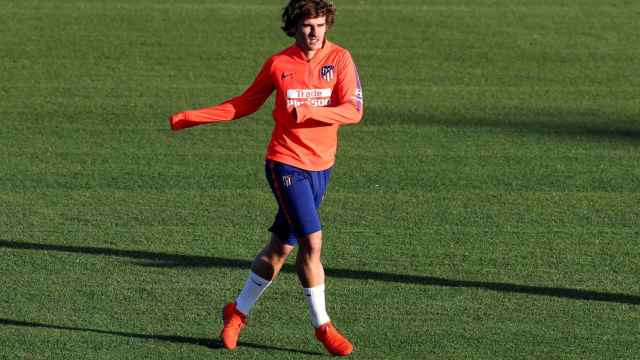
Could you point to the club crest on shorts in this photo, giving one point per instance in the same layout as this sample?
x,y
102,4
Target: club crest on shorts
x,y
327,72
286,180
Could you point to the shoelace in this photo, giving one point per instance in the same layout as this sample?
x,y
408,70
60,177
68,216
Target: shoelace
x,y
328,334
235,321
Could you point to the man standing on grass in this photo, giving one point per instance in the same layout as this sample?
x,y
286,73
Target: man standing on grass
x,y
317,90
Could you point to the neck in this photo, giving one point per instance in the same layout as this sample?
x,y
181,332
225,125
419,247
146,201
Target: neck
x,y
310,53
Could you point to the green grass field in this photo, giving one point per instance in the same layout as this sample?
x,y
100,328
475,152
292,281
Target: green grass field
x,y
487,207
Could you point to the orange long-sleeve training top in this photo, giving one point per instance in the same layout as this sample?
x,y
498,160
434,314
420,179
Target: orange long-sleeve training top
x,y
313,98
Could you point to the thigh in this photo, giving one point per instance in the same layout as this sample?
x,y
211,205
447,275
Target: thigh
x,y
319,183
294,193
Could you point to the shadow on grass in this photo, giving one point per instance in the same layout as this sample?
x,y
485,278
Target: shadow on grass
x,y
212,344
586,123
156,259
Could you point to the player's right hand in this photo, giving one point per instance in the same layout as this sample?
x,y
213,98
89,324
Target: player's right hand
x,y
176,119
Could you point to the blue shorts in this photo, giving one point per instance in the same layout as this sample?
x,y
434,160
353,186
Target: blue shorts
x,y
299,194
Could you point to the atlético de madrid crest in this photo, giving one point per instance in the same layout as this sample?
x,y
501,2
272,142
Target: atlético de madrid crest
x,y
326,73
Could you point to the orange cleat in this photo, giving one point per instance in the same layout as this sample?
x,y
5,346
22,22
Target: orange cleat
x,y
333,341
234,321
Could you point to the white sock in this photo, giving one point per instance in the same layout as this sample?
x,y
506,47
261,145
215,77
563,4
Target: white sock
x,y
253,288
317,309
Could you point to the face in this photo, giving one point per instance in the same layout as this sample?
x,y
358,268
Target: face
x,y
310,33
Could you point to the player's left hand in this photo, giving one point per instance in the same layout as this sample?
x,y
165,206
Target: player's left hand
x,y
299,113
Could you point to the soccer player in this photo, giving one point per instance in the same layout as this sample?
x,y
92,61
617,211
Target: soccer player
x,y
317,90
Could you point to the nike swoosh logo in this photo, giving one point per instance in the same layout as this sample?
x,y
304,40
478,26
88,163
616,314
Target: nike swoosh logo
x,y
286,75
256,283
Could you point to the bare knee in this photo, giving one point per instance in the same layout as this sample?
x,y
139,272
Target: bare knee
x,y
277,248
276,252
311,245
271,259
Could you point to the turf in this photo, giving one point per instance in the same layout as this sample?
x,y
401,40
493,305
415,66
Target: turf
x,y
486,207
